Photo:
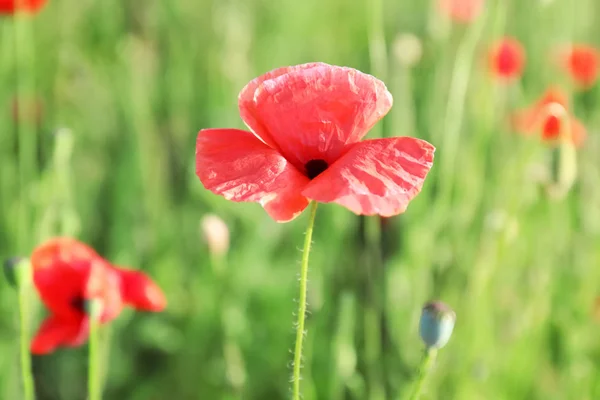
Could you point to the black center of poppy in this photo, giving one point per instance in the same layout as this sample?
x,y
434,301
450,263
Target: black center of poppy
x,y
315,167
78,303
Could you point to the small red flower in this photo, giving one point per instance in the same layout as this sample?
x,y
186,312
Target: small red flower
x,y
67,274
28,6
539,118
507,59
307,122
582,63
461,11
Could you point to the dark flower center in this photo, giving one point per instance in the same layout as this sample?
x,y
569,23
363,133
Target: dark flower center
x,y
315,167
78,304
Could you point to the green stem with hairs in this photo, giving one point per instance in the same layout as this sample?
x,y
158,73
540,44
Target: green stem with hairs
x,y
27,164
424,368
94,378
302,302
26,374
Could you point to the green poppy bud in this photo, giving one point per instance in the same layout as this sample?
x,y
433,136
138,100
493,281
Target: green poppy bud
x,y
436,325
16,270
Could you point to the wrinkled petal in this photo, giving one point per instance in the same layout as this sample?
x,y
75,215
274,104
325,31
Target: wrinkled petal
x,y
236,165
379,176
140,292
246,100
56,332
314,112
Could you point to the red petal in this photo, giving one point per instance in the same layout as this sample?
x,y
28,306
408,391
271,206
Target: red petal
x,y
314,112
246,100
379,176
140,292
56,332
238,166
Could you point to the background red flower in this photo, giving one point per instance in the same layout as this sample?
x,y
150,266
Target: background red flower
x,y
506,59
538,118
67,275
462,11
582,63
12,6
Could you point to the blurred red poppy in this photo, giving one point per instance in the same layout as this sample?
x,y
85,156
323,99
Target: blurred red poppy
x,y
506,59
29,6
67,275
307,122
462,11
538,118
582,63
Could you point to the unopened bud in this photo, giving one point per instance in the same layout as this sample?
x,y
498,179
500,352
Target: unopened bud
x,y
16,271
563,157
215,233
407,49
437,324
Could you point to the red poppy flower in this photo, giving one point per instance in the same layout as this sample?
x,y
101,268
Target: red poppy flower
x,y
12,6
307,122
582,63
67,274
539,118
462,11
507,59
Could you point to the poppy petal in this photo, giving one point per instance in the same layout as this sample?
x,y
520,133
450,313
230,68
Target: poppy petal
x,y
236,165
140,292
55,332
379,176
313,113
246,100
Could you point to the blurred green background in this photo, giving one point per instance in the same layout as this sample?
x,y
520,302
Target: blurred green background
x,y
125,85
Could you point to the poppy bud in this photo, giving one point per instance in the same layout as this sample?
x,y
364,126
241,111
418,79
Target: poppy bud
x,y
16,270
407,49
436,325
215,233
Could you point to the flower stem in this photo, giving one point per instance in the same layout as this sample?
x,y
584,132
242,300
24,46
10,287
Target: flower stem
x,y
94,382
302,301
27,376
424,368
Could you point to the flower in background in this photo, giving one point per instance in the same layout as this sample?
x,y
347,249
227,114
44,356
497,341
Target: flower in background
x,y
29,6
68,275
581,62
540,118
506,59
462,11
307,122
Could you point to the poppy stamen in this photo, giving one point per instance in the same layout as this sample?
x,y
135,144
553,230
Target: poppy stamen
x,y
78,303
315,167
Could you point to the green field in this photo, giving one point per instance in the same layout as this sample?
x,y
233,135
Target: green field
x,y
124,88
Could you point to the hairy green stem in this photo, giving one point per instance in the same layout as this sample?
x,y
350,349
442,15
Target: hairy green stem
x,y
27,376
94,379
26,157
424,368
302,301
